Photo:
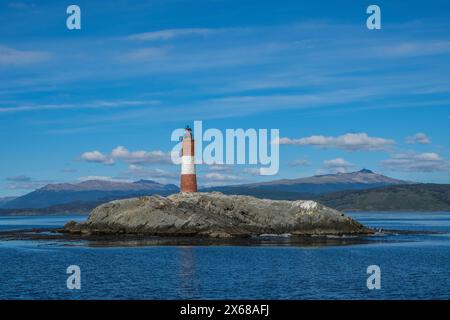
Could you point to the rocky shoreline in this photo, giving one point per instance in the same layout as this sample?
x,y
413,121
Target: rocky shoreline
x,y
214,215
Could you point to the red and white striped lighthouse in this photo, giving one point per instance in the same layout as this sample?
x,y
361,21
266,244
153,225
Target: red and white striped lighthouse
x,y
188,177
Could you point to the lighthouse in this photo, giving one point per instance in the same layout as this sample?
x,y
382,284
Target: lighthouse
x,y
188,181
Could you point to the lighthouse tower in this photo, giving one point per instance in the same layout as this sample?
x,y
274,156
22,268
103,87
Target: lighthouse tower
x,y
188,176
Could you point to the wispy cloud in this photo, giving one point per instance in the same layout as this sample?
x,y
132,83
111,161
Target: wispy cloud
x,y
415,48
83,105
21,178
300,163
24,182
14,57
289,56
171,33
252,171
349,142
417,162
20,5
220,167
144,54
102,178
212,177
140,172
419,137
134,173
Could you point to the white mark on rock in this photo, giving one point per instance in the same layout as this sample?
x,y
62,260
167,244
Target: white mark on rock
x,y
307,205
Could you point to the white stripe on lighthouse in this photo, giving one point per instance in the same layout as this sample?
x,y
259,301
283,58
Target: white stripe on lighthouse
x,y
187,165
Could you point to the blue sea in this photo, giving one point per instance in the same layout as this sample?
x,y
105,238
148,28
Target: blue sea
x,y
413,265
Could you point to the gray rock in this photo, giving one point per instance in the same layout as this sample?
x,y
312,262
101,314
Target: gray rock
x,y
215,215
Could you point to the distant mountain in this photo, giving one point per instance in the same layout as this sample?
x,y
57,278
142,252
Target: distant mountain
x,y
6,199
292,188
92,191
411,197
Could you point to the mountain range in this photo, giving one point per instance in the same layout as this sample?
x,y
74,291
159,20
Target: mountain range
x,y
92,191
312,186
360,190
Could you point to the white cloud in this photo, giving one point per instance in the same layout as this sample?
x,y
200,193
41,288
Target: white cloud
x,y
338,162
96,157
224,172
101,178
220,167
10,56
417,162
141,157
140,172
419,137
430,156
130,157
170,34
220,177
337,165
349,142
136,172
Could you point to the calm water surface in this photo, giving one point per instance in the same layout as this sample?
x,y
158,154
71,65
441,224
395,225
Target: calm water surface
x,y
414,266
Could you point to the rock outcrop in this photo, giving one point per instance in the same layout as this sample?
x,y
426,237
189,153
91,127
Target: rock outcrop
x,y
215,215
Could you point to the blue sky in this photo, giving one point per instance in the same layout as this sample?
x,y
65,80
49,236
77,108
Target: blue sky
x,y
344,97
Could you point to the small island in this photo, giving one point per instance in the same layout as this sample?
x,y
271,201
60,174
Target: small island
x,y
213,214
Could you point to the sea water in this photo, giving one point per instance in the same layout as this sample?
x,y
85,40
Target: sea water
x,y
414,265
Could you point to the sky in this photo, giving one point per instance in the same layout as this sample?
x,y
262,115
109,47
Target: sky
x,y
102,102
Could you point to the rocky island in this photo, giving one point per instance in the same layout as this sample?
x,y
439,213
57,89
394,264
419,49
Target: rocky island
x,y
213,214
